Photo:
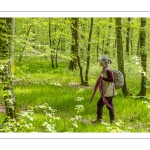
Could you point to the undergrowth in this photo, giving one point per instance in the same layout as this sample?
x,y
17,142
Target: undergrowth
x,y
52,100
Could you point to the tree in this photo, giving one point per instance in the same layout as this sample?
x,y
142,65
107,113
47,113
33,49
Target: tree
x,y
21,53
76,48
120,56
6,37
98,47
143,55
51,43
88,53
128,38
108,37
75,43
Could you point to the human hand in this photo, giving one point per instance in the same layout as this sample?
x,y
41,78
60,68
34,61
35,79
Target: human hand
x,y
102,75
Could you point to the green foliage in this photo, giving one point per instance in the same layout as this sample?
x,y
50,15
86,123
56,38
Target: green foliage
x,y
79,109
40,87
36,83
103,37
25,121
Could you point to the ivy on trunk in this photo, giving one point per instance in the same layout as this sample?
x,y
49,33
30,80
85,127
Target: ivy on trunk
x,y
6,37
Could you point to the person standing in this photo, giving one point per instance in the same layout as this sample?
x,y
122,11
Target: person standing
x,y
105,83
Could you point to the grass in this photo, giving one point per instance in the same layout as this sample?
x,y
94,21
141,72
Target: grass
x,y
37,84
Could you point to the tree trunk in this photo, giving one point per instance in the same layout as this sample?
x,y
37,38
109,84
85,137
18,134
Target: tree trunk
x,y
143,57
138,46
75,42
128,38
57,48
97,47
21,53
50,44
88,54
108,37
6,48
77,49
57,51
120,53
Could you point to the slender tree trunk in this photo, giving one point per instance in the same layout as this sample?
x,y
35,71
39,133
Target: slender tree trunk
x,y
6,48
21,53
138,46
88,54
50,44
77,47
120,56
83,26
74,45
97,47
128,38
57,51
108,37
143,57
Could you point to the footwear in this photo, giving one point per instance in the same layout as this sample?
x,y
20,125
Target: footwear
x,y
97,121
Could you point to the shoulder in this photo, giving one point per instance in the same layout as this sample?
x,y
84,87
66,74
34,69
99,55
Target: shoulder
x,y
108,69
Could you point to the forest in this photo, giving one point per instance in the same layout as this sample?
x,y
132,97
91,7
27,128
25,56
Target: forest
x,y
49,67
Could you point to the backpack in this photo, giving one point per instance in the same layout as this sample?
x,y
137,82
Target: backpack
x,y
118,79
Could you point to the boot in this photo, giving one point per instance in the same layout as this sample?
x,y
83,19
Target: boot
x,y
98,120
112,121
